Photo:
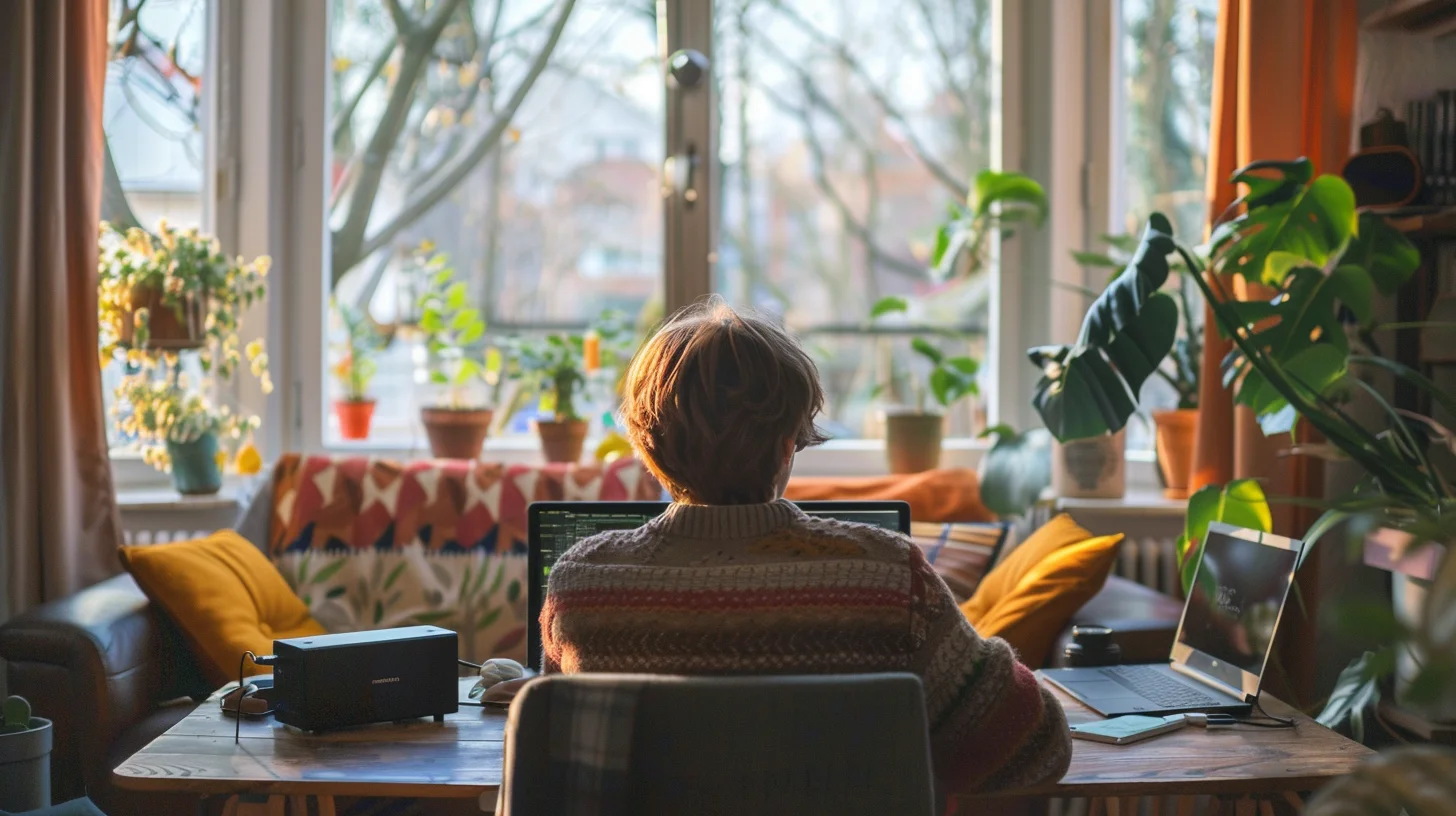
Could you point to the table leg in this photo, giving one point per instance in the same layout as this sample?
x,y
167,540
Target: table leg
x,y
1095,807
1246,807
1293,800
325,805
1185,805
298,805
1266,807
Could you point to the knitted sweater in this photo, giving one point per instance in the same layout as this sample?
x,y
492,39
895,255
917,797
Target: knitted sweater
x,y
766,589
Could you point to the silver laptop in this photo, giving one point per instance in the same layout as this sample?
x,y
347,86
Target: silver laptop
x,y
1224,637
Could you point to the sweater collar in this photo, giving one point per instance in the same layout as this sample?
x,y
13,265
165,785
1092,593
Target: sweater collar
x,y
726,521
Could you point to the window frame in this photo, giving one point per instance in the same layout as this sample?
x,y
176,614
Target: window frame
x,y
280,105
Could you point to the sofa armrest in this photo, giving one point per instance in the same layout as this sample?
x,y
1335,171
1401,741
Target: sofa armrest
x,y
1143,621
94,663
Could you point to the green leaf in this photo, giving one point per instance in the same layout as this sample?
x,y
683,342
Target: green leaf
x,y
426,618
1314,223
942,243
1316,368
328,571
514,590
1357,688
1386,255
378,612
954,379
887,305
490,617
455,295
925,349
1011,190
1240,503
394,575
439,378
1015,471
1326,522
336,592
1091,388
1097,259
16,710
432,321
464,319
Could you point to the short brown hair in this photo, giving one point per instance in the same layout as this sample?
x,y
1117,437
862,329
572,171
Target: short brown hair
x,y
711,398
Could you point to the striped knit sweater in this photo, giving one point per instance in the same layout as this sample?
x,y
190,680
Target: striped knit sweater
x,y
766,589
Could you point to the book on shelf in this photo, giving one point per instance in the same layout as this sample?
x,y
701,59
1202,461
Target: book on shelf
x,y
1431,129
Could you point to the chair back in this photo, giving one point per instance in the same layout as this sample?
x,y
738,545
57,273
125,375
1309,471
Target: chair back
x,y
802,745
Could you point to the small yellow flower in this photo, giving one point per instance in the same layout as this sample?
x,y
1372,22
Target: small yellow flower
x,y
427,246
250,461
222,459
263,264
341,64
254,349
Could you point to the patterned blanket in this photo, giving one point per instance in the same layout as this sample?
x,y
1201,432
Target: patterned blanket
x,y
371,544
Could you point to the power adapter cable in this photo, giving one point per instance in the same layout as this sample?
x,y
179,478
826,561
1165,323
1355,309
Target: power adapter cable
x,y
258,660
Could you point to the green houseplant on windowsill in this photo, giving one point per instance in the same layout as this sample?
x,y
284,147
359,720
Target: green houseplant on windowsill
x,y
354,370
914,433
551,371
459,421
1175,428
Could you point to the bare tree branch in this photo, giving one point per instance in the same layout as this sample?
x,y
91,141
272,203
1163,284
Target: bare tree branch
x,y
847,216
421,202
403,24
936,169
346,113
417,45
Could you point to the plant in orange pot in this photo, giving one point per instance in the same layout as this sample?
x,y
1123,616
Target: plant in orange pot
x,y
354,370
1175,428
458,361
551,370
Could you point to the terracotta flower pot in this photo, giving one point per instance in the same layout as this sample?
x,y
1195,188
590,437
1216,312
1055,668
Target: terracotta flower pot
x,y
912,441
456,433
1091,468
562,440
354,417
169,328
1174,438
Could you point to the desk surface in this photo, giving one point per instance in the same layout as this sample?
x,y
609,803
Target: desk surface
x,y
463,758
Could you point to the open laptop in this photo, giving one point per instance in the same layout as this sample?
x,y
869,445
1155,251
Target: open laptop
x,y
1223,640
553,527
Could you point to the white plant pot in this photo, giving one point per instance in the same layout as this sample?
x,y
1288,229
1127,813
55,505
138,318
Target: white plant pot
x,y
25,768
1091,468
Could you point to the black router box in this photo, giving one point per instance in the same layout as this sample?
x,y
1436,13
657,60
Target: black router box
x,y
334,681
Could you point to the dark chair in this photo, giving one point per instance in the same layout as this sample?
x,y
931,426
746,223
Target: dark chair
x,y
804,745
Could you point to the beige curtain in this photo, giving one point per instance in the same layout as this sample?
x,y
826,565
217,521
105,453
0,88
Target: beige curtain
x,y
58,519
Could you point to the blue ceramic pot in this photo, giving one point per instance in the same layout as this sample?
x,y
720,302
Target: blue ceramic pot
x,y
194,466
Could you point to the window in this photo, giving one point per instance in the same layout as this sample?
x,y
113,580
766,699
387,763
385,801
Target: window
x,y
1165,62
154,123
843,138
520,139
534,163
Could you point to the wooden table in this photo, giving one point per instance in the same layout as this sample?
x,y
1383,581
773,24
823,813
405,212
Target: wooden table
x,y
462,758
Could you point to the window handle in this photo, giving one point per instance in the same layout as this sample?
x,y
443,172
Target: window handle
x,y
679,173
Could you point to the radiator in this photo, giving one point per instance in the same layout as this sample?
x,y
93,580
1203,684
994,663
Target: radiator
x,y
1151,561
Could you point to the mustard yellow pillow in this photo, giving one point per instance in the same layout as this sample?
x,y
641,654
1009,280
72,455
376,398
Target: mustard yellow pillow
x,y
224,595
1032,615
1004,577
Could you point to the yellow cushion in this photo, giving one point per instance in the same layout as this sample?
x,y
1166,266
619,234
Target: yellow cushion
x,y
224,595
1004,577
1046,598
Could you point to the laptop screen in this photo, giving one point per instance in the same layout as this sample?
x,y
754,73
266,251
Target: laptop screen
x,y
1236,599
557,526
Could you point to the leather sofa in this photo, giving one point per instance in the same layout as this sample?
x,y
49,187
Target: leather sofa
x,y
113,673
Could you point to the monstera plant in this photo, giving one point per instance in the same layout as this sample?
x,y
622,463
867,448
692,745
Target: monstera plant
x,y
1302,349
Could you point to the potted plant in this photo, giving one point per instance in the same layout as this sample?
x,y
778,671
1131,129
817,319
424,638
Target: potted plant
x,y
1174,429
148,286
998,201
550,370
25,757
914,432
458,424
353,371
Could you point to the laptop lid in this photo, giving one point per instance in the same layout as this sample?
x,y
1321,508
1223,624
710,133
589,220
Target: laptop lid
x,y
1233,609
554,527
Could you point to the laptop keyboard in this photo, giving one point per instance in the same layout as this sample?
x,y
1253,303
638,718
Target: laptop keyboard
x,y
1159,687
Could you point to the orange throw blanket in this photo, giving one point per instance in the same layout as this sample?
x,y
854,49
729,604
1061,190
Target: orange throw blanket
x,y
934,496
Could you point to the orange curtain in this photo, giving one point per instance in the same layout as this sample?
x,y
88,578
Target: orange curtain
x,y
58,517
1284,86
